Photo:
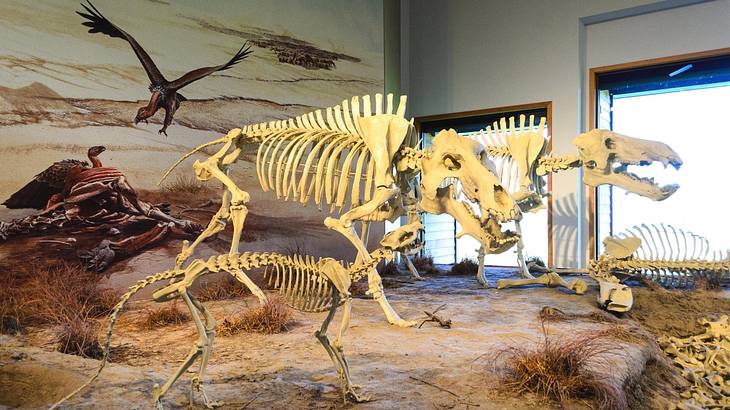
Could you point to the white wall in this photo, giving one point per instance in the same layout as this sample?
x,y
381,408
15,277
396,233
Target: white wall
x,y
464,55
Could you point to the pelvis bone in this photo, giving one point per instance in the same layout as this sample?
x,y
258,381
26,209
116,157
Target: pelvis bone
x,y
607,155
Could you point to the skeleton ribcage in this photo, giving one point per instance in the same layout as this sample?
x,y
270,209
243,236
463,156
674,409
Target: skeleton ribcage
x,y
300,281
674,257
322,155
328,167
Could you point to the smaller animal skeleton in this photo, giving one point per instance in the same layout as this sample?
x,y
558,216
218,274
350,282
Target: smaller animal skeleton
x,y
307,285
660,253
165,93
705,361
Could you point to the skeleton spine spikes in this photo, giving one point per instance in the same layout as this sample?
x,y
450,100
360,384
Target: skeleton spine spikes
x,y
495,139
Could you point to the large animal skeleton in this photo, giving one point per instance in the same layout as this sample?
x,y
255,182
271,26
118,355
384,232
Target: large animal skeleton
x,y
705,361
310,157
361,166
660,253
522,159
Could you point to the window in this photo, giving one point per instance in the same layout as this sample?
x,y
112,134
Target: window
x,y
440,230
683,104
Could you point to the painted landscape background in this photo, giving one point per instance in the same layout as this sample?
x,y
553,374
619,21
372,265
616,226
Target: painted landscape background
x,y
63,90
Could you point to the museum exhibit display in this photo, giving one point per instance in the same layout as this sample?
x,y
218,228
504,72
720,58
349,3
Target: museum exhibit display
x,y
293,231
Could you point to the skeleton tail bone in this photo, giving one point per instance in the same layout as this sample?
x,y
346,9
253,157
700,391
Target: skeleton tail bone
x,y
188,155
112,320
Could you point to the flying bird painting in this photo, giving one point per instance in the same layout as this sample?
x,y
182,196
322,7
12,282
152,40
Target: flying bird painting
x,y
164,93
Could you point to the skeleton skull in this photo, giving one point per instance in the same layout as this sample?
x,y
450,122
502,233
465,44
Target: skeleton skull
x,y
606,156
455,165
404,239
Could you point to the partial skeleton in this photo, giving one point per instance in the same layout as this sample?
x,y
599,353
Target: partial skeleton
x,y
520,151
360,161
661,253
165,93
705,361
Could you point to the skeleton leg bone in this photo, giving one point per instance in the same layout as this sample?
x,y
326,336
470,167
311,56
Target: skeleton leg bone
x,y
524,272
550,279
412,269
343,225
238,215
481,278
201,347
207,349
334,350
216,225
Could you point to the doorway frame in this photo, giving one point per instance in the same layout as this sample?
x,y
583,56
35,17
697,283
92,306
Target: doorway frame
x,y
547,106
593,74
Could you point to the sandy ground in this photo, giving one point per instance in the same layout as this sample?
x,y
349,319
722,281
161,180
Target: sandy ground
x,y
426,368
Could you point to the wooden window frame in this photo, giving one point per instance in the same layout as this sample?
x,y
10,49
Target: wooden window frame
x,y
593,74
547,106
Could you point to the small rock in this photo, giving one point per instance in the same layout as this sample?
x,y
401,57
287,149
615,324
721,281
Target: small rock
x,y
19,356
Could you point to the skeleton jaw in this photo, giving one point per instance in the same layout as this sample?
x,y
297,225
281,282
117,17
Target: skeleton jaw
x,y
485,227
617,174
606,157
404,239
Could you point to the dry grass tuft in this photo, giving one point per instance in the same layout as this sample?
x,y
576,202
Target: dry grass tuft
x,y
561,370
465,267
224,288
183,183
424,264
57,295
268,319
79,337
295,247
387,269
164,316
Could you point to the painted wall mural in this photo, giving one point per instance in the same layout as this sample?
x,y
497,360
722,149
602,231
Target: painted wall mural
x,y
66,87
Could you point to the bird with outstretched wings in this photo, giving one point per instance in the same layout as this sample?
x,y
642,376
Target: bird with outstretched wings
x,y
164,93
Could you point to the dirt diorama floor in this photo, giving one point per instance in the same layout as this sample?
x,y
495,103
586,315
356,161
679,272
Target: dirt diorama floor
x,y
424,368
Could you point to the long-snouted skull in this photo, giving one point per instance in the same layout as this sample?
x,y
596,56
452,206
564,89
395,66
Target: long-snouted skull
x,y
456,165
606,156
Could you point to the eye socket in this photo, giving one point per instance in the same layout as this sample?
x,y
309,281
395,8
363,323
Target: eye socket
x,y
591,164
451,163
609,143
